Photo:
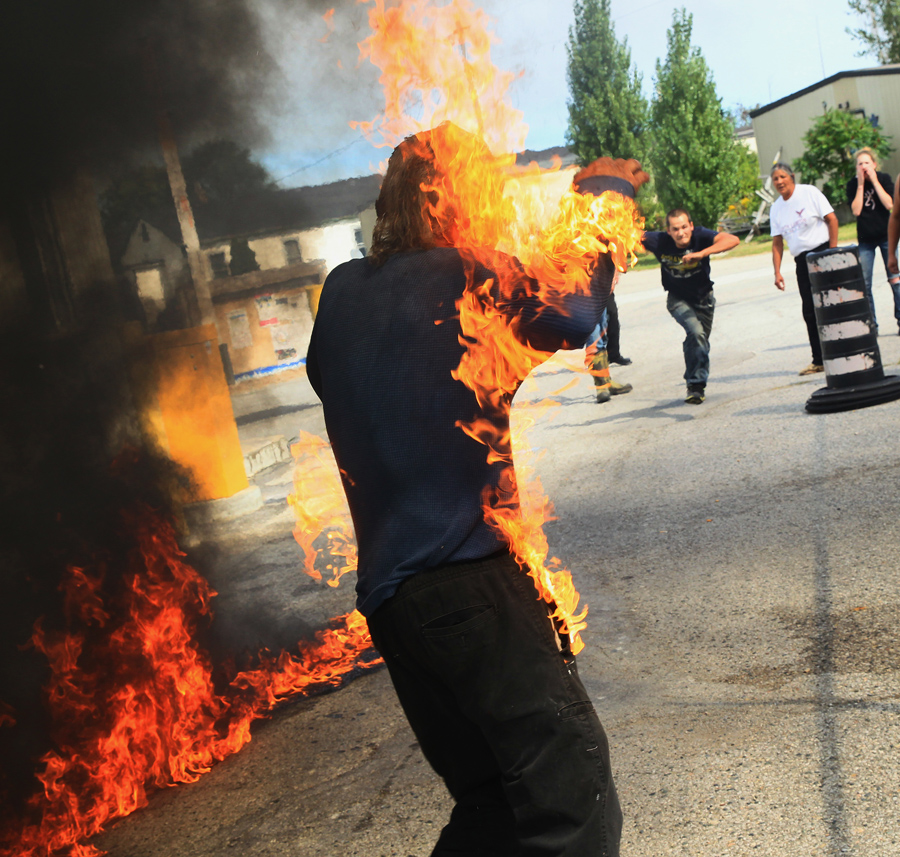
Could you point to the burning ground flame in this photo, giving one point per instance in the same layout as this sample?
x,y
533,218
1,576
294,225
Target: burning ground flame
x,y
132,694
319,506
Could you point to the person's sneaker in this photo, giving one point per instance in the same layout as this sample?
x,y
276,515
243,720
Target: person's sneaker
x,y
695,395
812,369
620,360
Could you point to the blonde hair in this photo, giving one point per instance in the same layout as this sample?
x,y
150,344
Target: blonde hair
x,y
865,150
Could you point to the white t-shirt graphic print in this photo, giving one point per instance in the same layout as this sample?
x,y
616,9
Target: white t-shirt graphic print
x,y
800,219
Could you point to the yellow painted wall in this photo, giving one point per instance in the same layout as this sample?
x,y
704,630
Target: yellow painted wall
x,y
252,344
187,408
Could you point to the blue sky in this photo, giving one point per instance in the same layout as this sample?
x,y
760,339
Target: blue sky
x,y
758,52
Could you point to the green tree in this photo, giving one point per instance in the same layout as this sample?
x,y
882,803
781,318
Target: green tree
x,y
739,115
829,150
880,36
607,109
744,203
694,156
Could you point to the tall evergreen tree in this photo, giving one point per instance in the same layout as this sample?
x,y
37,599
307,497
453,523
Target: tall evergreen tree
x,y
607,110
694,155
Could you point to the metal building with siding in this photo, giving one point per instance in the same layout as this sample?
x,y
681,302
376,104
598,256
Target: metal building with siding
x,y
870,92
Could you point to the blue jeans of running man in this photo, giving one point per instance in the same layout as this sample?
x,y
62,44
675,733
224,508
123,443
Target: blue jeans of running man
x,y
867,263
696,317
597,340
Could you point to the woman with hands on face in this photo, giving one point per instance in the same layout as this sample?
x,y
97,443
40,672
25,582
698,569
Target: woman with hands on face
x,y
869,195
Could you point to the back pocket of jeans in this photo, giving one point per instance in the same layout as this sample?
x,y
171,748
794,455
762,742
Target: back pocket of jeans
x,y
459,622
575,709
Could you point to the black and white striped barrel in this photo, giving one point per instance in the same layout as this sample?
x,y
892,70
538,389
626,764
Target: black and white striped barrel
x,y
847,334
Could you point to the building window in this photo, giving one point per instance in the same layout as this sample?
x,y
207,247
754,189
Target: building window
x,y
151,292
219,265
361,245
150,285
292,251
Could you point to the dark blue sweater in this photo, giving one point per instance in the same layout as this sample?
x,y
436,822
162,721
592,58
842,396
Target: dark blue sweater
x,y
383,348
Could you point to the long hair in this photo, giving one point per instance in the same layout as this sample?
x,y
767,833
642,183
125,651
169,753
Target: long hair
x,y
424,192
402,205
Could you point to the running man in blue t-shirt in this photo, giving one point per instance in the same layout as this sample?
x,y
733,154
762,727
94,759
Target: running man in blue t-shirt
x,y
683,251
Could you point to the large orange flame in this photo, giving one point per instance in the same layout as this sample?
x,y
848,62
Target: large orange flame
x,y
132,696
319,506
436,67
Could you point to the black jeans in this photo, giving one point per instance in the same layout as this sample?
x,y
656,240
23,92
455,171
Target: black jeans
x,y
809,310
613,329
500,714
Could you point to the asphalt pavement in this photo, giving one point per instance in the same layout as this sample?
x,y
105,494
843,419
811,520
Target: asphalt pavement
x,y
739,562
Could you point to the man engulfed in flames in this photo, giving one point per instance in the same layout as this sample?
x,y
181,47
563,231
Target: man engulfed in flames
x,y
482,664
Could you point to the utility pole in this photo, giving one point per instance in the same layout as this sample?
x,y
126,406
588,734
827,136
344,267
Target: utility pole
x,y
179,195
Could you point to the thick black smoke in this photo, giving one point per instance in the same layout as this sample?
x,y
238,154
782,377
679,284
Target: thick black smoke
x,y
81,83
73,460
74,76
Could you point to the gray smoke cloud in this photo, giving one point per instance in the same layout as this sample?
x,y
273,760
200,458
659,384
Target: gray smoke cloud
x,y
74,89
324,88
73,76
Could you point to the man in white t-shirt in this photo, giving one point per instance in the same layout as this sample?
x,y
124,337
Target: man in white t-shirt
x,y
805,219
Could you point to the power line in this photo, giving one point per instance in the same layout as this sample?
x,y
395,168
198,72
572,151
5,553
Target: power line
x,y
323,158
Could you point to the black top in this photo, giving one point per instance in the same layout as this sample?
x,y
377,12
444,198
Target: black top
x,y
385,344
872,221
689,281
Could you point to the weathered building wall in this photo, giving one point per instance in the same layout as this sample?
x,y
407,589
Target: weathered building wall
x,y
265,317
157,268
784,123
331,245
